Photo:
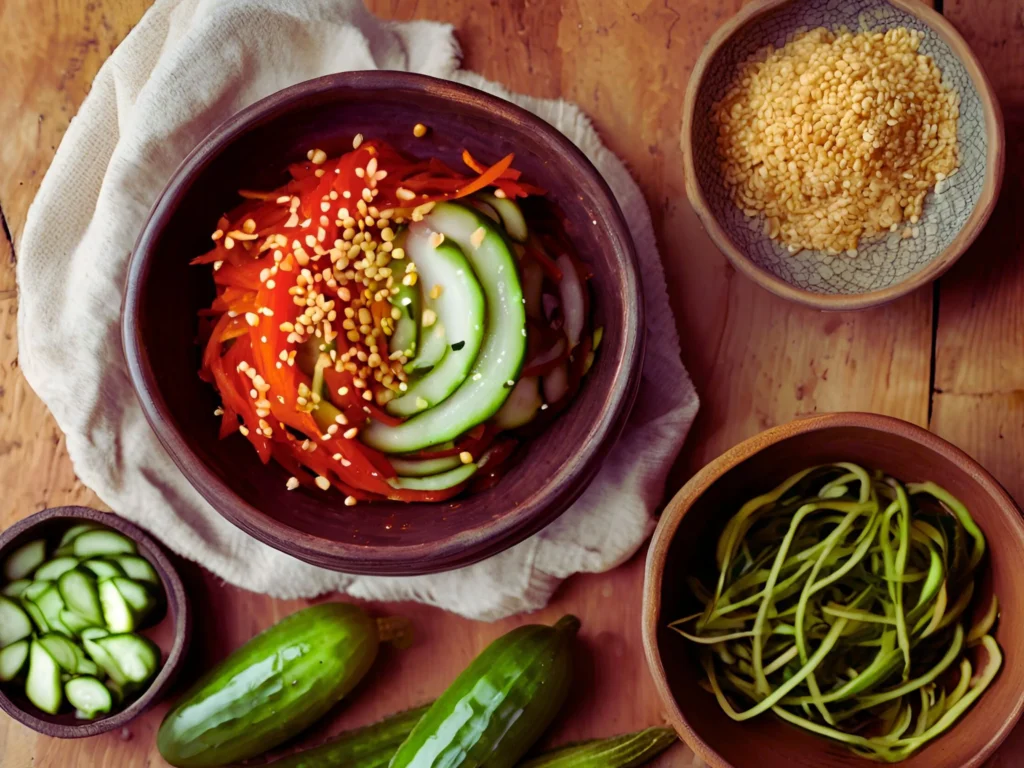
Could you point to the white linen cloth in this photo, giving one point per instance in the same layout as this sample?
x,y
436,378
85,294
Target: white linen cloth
x,y
186,67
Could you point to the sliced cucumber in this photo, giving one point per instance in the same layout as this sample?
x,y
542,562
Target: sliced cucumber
x,y
43,686
93,633
15,588
75,531
136,656
504,345
437,482
80,594
104,568
63,651
14,622
522,405
35,614
433,346
88,696
89,667
76,622
484,208
460,308
105,661
511,214
138,568
12,660
36,588
52,569
117,612
101,542
50,604
136,595
24,560
424,467
407,326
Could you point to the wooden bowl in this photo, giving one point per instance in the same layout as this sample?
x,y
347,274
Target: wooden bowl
x,y
684,544
170,625
251,149
884,268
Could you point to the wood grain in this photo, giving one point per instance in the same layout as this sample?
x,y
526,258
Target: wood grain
x,y
757,360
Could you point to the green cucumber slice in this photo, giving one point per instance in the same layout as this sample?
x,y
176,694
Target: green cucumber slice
x,y
136,656
88,696
433,346
437,482
80,594
424,467
75,531
117,613
511,214
103,568
136,595
51,604
15,588
94,632
484,208
35,614
522,405
460,308
63,651
12,660
52,570
105,661
138,568
14,622
43,686
36,588
76,622
407,326
24,560
88,667
504,345
102,542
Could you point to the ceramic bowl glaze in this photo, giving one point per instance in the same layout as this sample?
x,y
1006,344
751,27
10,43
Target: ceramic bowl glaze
x,y
251,150
884,267
684,542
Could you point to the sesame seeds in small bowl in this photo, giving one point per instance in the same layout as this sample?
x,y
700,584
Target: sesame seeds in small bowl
x,y
841,154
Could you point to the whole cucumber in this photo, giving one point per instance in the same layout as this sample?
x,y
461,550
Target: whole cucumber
x,y
271,688
499,706
372,746
628,751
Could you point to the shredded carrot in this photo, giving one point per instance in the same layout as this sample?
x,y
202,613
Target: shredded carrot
x,y
485,179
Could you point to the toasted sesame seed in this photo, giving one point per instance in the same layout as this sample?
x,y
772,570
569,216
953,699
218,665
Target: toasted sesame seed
x,y
243,429
217,235
500,193
429,316
436,239
477,238
435,292
292,484
351,433
350,501
318,157
357,141
322,483
419,130
405,194
252,319
466,457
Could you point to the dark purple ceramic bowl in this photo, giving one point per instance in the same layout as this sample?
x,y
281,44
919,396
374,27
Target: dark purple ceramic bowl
x,y
163,294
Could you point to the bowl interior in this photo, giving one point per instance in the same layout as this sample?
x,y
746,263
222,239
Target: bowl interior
x,y
691,551
251,151
882,262
167,625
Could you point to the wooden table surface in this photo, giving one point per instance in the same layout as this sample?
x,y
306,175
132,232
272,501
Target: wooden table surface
x,y
950,356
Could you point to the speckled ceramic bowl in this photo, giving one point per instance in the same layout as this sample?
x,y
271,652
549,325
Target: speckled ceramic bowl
x,y
886,267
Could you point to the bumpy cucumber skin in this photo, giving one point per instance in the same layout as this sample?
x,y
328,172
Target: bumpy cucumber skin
x,y
271,688
500,705
628,751
368,747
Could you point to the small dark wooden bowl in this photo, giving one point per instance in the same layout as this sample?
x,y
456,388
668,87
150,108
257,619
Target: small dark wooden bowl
x,y
250,150
684,544
170,624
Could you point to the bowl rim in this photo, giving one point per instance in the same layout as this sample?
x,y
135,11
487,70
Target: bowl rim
x,y
177,607
684,499
461,548
994,167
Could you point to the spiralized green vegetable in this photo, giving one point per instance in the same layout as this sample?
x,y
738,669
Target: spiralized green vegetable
x,y
841,604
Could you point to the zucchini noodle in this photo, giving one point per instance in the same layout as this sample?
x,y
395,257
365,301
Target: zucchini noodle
x,y
839,604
